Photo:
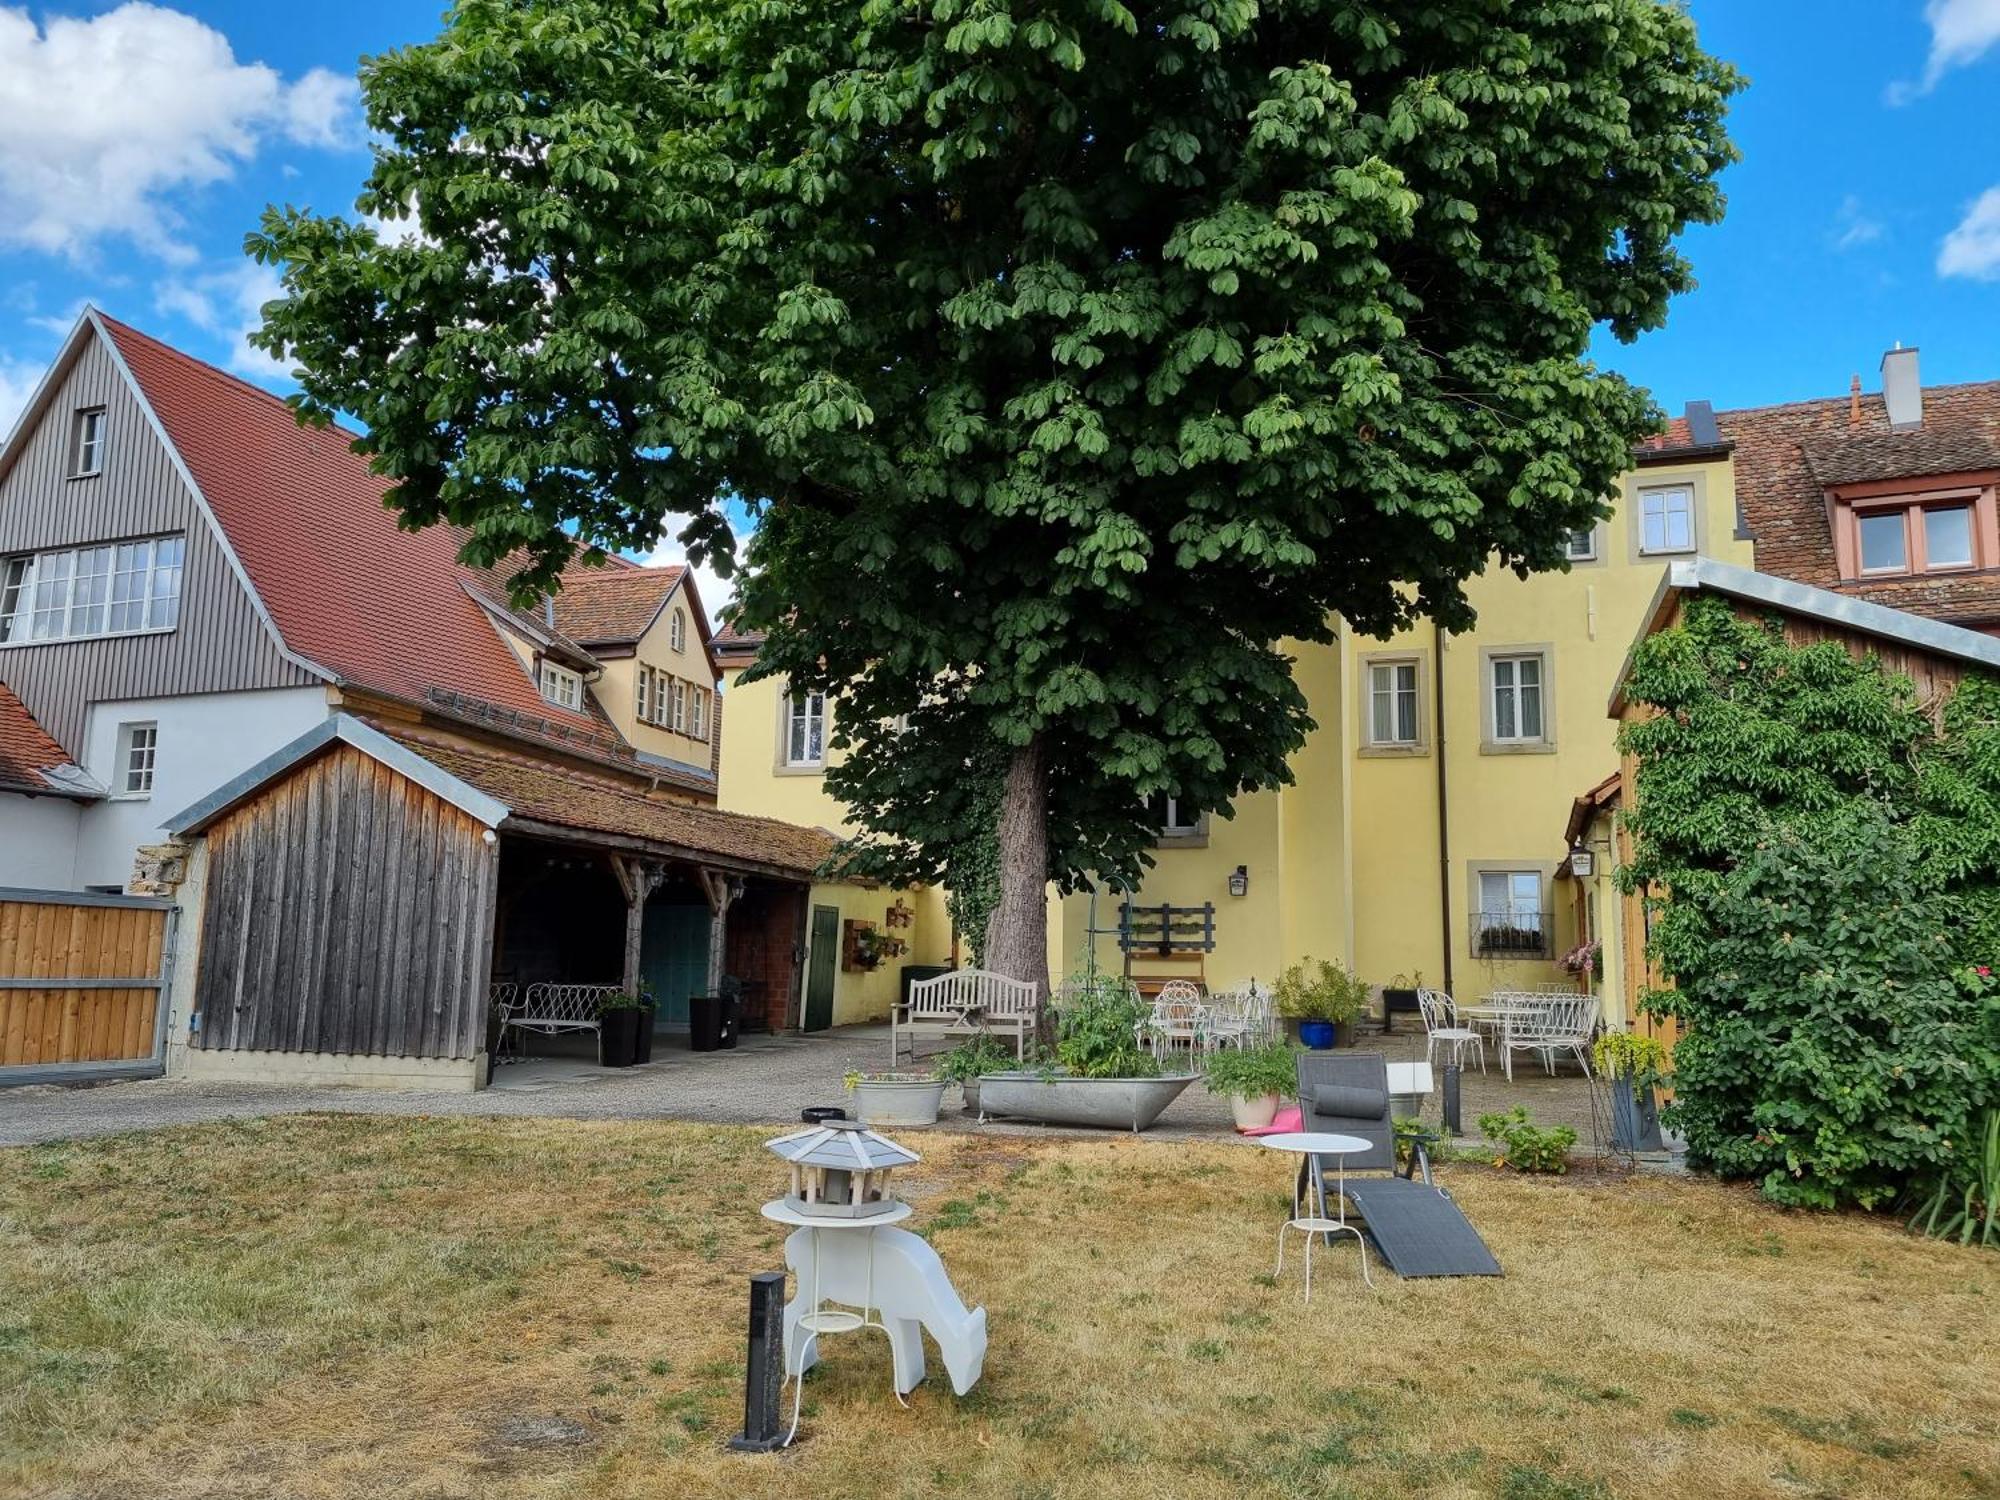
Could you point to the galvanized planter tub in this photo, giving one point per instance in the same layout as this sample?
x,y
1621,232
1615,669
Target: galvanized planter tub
x,y
1053,1099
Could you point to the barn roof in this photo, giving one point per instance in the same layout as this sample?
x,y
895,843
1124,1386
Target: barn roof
x,y
510,791
1786,597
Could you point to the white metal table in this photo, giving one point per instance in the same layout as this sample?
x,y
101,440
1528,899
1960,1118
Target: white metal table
x,y
1339,1147
1500,1013
818,1317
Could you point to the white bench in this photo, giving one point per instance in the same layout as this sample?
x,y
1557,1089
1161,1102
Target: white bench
x,y
965,1002
550,1009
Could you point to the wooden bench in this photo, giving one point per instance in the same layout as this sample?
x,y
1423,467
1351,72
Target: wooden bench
x,y
963,1003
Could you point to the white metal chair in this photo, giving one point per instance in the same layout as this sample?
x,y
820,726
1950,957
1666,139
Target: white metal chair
x,y
1233,1019
1442,1025
1565,1023
1176,1020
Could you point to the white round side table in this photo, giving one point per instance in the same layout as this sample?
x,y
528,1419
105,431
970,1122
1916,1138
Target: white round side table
x,y
818,1318
1339,1147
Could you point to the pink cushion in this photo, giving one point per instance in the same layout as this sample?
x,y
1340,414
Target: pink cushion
x,y
1288,1119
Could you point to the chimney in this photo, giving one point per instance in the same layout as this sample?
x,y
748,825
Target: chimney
x,y
1702,429
1902,390
1854,401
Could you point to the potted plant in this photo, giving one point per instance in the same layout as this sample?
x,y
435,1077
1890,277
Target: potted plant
x,y
1321,996
896,1098
1585,960
1255,1079
618,1019
872,949
966,1063
1635,1065
1100,1075
642,1037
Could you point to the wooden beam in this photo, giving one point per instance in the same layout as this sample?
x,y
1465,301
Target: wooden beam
x,y
721,891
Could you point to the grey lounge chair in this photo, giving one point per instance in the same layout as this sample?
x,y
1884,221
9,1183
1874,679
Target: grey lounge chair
x,y
1416,1226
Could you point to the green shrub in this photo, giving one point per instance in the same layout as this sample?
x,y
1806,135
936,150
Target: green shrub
x,y
1320,990
1830,1052
973,1059
1819,847
1526,1146
1253,1072
1963,1202
1097,1030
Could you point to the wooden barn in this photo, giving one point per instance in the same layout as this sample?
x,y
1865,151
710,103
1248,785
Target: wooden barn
x,y
358,899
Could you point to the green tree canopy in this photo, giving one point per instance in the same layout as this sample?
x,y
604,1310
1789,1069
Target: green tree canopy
x,y
1074,355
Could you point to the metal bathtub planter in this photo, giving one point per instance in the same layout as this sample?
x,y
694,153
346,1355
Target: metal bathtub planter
x,y
1053,1099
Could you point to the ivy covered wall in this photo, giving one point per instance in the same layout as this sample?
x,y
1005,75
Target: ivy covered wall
x,y
1821,846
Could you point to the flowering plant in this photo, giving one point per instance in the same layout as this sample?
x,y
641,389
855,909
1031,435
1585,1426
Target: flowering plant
x,y
1584,958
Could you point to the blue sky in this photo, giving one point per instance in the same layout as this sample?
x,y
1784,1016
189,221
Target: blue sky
x,y
141,141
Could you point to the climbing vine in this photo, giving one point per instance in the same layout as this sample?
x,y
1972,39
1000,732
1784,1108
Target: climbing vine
x,y
1820,848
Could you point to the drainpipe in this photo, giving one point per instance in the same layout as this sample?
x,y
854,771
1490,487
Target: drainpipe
x,y
1443,801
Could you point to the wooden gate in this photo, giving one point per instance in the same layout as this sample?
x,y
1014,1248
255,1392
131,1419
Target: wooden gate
x,y
83,985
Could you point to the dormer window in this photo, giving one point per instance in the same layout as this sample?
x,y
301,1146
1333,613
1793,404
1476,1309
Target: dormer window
x,y
561,686
1883,535
1666,520
88,452
677,630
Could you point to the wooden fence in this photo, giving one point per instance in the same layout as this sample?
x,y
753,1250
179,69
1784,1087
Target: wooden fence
x,y
83,983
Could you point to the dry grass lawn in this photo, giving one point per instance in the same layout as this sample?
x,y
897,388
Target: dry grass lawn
x,y
310,1307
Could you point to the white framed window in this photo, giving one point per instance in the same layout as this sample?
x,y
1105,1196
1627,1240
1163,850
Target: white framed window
x,y
677,631
645,695
805,729
122,588
1517,685
698,713
1393,703
561,686
1582,545
137,745
1510,919
1666,520
677,698
87,456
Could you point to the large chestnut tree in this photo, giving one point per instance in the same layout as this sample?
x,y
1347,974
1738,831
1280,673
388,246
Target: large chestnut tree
x,y
1073,355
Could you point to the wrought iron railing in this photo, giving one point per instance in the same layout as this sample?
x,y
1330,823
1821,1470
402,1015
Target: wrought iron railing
x,y
1512,933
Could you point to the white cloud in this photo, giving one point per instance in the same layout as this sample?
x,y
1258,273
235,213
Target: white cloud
x,y
715,590
229,305
1852,226
1973,249
1962,32
18,380
105,118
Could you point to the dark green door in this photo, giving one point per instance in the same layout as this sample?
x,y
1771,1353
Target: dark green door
x,y
822,967
673,959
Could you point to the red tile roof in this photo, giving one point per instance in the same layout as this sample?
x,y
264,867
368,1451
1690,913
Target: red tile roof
x,y
1675,437
27,749
1787,456
377,606
598,606
564,797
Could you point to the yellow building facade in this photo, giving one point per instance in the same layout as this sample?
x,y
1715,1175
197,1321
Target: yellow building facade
x,y
773,764
1422,840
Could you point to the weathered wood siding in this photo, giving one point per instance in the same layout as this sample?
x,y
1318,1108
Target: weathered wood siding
x,y
51,941
348,911
220,644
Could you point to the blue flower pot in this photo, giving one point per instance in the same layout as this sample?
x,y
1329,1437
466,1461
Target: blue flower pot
x,y
1318,1035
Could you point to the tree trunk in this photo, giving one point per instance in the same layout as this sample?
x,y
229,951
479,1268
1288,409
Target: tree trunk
x,y
1017,934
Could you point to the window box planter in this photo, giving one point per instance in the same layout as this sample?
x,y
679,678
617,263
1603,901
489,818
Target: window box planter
x,y
891,1100
1055,1099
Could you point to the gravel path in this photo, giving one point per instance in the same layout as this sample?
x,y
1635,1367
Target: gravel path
x,y
765,1080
